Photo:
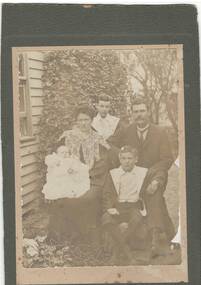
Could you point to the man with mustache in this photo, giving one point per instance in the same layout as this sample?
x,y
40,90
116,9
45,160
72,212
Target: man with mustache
x,y
154,153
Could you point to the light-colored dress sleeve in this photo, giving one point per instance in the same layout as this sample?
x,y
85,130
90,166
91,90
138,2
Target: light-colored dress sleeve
x,y
72,142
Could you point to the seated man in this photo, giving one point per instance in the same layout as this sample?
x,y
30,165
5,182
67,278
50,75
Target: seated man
x,y
122,205
154,153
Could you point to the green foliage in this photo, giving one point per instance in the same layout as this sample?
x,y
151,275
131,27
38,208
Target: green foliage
x,y
73,77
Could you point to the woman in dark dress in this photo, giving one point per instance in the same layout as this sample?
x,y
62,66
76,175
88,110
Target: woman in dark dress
x,y
84,212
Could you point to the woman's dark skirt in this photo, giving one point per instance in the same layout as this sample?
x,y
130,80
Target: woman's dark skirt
x,y
78,214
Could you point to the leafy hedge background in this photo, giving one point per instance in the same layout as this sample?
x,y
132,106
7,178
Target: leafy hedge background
x,y
74,77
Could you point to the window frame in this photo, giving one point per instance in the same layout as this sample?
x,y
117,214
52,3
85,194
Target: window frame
x,y
24,81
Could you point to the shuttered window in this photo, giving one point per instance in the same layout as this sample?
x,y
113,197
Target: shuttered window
x,y
24,98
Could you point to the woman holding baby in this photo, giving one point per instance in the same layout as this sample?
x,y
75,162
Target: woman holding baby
x,y
81,166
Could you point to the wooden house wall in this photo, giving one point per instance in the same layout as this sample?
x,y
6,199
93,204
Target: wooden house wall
x,y
29,171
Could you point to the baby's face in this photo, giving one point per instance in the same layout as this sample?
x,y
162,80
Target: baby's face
x,y
62,152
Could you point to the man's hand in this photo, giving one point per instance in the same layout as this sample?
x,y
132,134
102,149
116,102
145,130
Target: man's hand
x,y
113,211
153,186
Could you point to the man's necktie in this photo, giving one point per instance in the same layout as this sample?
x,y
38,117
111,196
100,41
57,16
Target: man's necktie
x,y
141,137
141,134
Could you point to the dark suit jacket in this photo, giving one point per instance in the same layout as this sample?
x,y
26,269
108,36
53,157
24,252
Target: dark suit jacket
x,y
154,154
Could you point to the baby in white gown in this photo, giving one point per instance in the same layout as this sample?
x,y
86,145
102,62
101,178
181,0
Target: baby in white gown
x,y
67,176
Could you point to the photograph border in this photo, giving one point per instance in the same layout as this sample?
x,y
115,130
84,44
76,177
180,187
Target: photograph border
x,y
102,274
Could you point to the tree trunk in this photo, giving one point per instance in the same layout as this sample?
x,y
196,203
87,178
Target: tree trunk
x,y
171,116
157,113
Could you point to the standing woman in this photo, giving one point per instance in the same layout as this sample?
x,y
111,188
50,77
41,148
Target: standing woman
x,y
92,150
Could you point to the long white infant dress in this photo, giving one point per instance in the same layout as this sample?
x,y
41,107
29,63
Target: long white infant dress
x,y
66,177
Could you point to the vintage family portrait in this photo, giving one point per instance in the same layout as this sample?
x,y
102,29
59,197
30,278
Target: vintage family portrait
x,y
99,164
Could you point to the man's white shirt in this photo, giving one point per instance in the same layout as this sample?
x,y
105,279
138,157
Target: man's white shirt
x,y
105,126
128,184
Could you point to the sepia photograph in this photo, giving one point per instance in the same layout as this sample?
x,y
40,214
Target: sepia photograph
x,y
99,164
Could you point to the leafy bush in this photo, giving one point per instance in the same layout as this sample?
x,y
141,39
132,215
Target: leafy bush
x,y
74,77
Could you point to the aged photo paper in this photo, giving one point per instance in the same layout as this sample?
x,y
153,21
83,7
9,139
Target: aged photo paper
x,y
99,164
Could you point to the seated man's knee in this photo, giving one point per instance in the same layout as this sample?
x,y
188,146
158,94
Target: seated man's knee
x,y
153,199
135,219
123,227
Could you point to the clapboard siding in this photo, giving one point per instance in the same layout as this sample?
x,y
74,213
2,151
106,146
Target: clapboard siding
x,y
28,159
30,197
36,74
27,207
33,186
30,176
35,83
36,92
28,169
37,110
32,148
34,55
35,64
30,143
36,101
